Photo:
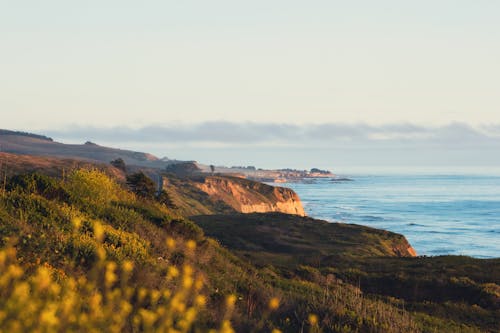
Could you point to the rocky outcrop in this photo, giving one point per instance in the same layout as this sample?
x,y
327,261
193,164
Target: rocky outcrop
x,y
247,196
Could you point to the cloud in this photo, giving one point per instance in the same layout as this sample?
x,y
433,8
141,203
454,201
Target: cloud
x,y
234,134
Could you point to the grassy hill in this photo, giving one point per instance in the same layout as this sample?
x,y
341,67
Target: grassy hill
x,y
39,145
290,240
84,253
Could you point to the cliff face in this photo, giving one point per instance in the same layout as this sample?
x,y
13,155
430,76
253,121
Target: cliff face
x,y
247,196
402,248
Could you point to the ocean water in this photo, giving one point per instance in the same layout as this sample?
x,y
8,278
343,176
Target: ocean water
x,y
438,214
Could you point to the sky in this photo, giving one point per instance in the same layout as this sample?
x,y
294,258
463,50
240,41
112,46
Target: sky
x,y
268,83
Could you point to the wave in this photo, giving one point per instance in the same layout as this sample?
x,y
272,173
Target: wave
x,y
372,218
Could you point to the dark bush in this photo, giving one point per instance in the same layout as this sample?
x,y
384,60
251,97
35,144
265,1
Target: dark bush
x,y
142,185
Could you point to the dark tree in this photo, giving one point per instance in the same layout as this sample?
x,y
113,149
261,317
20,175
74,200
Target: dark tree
x,y
142,185
119,163
212,168
166,199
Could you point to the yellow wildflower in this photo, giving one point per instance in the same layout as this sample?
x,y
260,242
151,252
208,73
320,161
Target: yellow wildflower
x,y
98,231
43,278
170,243
313,319
230,301
77,222
110,276
274,303
200,300
226,327
127,266
187,281
48,317
191,245
173,272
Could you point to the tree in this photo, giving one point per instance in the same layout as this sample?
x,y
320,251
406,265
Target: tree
x,y
142,185
119,163
212,168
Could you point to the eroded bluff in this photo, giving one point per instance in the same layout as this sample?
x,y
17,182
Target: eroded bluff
x,y
247,196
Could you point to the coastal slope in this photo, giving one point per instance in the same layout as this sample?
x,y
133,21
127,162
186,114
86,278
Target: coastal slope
x,y
289,240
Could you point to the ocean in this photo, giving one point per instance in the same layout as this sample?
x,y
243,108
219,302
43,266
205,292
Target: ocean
x,y
438,214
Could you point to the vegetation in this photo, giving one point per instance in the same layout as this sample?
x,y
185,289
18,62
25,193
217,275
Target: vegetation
x,y
142,185
84,253
119,163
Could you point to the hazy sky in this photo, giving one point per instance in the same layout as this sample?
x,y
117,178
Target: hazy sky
x,y
136,64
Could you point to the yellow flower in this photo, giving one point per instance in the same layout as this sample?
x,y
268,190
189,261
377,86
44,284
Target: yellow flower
x,y
77,222
127,266
187,281
274,303
22,291
95,301
101,253
148,317
226,327
198,284
230,301
170,243
43,278
48,317
187,269
15,271
173,272
313,319
98,231
200,300
2,316
110,276
155,296
3,257
191,245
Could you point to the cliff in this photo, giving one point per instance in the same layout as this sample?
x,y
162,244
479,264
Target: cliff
x,y
246,196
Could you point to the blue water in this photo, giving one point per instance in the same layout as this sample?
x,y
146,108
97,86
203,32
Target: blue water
x,y
439,215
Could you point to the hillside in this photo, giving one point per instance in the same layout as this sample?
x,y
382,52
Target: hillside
x,y
39,145
289,240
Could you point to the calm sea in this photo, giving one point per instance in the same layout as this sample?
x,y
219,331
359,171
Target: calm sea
x,y
439,215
